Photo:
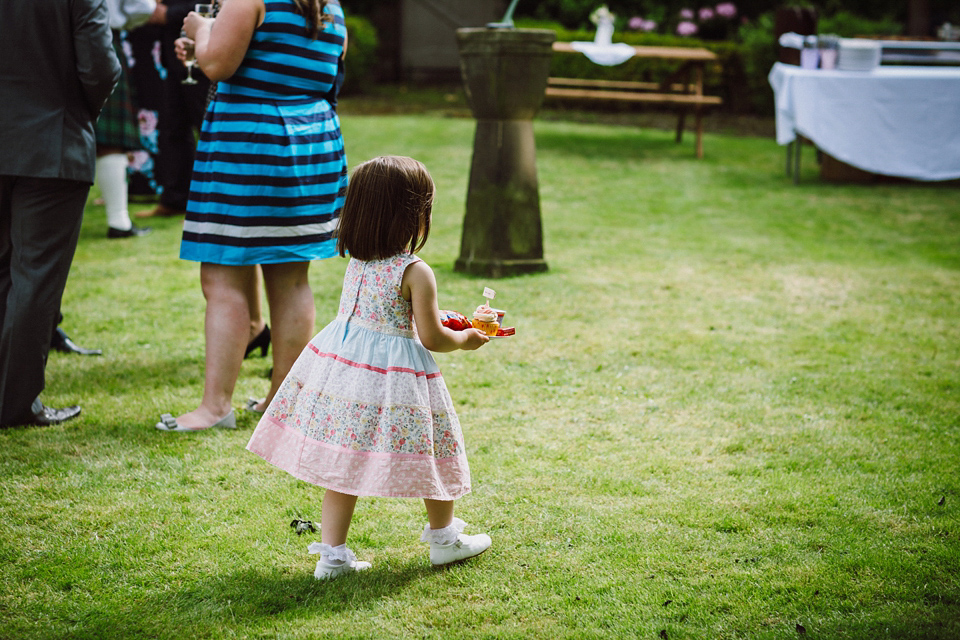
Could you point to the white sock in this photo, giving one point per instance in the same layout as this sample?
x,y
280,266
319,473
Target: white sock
x,y
332,556
445,536
112,181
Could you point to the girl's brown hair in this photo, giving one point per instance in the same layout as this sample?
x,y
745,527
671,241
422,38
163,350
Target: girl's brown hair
x,y
387,209
312,10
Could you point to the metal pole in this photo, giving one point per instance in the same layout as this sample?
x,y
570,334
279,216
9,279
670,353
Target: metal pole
x,y
507,22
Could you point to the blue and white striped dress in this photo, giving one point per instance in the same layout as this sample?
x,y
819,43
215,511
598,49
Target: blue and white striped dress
x,y
270,171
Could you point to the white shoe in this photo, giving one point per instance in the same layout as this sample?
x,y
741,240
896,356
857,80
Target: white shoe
x,y
450,545
169,423
462,548
329,571
335,561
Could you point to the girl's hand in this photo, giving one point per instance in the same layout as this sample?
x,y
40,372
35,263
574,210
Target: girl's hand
x,y
419,286
184,48
475,339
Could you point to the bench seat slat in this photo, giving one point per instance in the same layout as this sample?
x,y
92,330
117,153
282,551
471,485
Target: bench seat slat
x,y
613,84
629,96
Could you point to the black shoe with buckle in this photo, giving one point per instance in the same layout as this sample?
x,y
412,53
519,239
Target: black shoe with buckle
x,y
61,342
46,416
133,232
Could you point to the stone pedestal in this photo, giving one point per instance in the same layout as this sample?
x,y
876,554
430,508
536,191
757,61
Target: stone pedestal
x,y
504,75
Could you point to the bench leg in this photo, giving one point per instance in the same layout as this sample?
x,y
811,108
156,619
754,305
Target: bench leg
x,y
680,120
798,150
699,122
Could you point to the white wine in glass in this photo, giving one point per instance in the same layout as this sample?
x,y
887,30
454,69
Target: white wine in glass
x,y
205,10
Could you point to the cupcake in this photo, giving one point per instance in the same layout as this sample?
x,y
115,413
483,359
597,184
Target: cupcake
x,y
485,319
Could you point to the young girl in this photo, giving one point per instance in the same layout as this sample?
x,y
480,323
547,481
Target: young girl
x,y
364,411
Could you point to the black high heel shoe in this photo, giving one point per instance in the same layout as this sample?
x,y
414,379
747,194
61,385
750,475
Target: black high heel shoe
x,y
262,341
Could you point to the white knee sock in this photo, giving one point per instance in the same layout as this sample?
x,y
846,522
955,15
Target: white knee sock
x,y
112,181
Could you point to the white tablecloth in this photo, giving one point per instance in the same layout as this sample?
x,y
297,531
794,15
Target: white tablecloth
x,y
896,121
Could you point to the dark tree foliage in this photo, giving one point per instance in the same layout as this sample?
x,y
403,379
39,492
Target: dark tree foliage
x,y
575,13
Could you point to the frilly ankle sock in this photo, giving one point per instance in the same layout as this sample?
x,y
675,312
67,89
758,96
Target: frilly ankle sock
x,y
445,536
335,561
332,555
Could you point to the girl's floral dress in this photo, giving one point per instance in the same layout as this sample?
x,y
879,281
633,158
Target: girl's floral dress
x,y
364,410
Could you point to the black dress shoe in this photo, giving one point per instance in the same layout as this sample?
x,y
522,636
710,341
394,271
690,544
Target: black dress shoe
x,y
47,416
262,342
61,342
133,232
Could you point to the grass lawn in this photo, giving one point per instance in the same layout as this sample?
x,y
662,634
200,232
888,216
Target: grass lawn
x,y
731,410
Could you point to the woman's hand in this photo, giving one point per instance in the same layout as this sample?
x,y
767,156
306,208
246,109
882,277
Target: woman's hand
x,y
184,48
221,44
159,15
192,24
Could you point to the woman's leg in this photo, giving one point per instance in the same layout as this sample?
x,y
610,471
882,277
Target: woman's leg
x,y
292,317
335,516
253,302
226,326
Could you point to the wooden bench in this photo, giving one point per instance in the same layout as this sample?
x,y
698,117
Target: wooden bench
x,y
681,90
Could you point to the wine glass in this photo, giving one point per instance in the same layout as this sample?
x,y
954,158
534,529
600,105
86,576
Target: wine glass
x,y
205,10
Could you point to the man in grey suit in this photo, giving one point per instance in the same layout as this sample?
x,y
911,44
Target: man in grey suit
x,y
57,68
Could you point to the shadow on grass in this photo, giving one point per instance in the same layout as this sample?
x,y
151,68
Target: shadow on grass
x,y
613,146
253,601
124,375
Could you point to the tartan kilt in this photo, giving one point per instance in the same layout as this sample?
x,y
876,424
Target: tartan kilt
x,y
118,125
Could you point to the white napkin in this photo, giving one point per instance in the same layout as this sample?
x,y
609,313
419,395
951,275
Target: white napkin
x,y
791,40
607,55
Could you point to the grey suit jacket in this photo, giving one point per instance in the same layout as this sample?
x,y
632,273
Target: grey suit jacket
x,y
57,68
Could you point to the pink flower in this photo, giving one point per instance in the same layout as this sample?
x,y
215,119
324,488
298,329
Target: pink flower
x,y
726,9
639,24
128,52
148,121
686,28
686,14
140,159
705,14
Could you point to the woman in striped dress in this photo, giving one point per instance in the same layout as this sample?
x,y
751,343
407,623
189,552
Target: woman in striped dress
x,y
268,182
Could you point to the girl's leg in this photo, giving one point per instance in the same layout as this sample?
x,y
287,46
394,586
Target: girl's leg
x,y
335,517
292,317
226,326
445,535
335,558
439,512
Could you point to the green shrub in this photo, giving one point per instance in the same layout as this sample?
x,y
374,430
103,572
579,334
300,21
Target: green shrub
x,y
361,54
758,53
848,25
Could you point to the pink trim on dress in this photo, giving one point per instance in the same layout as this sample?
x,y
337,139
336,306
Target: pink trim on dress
x,y
369,367
359,473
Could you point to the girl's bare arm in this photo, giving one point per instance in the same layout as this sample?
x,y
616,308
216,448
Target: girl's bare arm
x,y
420,287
